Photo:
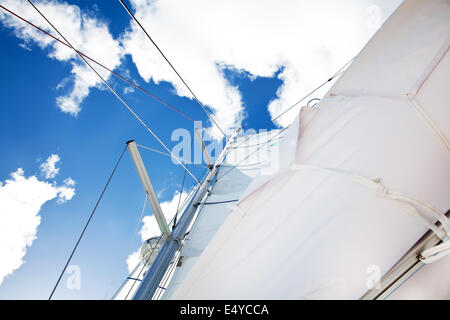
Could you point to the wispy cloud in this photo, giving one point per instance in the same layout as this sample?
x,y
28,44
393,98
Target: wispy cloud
x,y
48,168
127,90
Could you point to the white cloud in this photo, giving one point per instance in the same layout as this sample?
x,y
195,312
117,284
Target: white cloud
x,y
133,260
65,194
127,90
85,33
21,199
48,168
69,182
309,40
150,226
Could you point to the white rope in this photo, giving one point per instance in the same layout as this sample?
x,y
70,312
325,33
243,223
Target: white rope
x,y
413,101
130,243
435,253
428,255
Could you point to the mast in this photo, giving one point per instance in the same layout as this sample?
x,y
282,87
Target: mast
x,y
159,267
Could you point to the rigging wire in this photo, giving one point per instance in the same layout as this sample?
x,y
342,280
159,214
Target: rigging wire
x,y
130,243
143,267
176,258
143,90
170,64
87,224
315,104
154,248
98,63
236,165
169,274
167,154
114,92
154,150
336,74
179,200
135,279
339,72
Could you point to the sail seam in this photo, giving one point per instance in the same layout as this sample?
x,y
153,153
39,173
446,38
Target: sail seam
x,y
416,105
412,95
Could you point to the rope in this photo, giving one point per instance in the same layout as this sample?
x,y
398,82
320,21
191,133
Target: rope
x,y
114,92
337,73
130,243
220,202
87,224
173,68
168,274
428,255
143,266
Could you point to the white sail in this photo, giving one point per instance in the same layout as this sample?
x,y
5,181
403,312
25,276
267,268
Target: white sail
x,y
364,179
248,155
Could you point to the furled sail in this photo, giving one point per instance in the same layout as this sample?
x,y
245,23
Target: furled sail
x,y
357,182
248,155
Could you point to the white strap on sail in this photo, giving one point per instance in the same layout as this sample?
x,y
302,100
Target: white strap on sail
x,y
428,255
412,95
435,253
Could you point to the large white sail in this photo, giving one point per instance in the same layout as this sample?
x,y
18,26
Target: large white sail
x,y
359,181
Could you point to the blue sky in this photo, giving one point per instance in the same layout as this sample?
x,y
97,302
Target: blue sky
x,y
33,127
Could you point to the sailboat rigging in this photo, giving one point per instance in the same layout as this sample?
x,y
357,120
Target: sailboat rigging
x,y
348,201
